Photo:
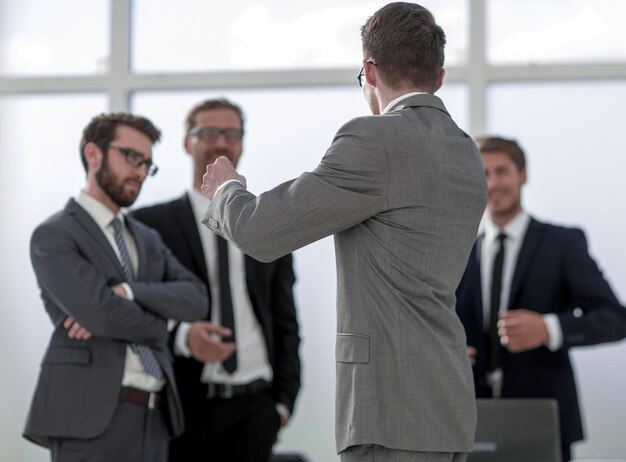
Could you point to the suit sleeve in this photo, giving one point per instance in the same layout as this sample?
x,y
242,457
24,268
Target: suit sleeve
x,y
177,294
286,382
601,318
74,285
348,186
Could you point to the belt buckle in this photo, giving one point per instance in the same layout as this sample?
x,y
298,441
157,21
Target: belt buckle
x,y
228,391
152,400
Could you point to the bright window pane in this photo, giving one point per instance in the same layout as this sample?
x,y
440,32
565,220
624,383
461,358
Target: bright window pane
x,y
537,31
39,37
197,35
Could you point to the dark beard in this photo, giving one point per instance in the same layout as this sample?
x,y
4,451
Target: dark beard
x,y
113,186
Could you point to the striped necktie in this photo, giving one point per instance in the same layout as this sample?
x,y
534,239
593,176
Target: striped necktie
x,y
146,356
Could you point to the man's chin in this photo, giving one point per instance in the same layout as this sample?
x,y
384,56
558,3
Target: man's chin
x,y
127,200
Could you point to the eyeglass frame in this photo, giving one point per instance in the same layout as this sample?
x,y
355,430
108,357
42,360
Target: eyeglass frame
x,y
227,133
361,73
134,158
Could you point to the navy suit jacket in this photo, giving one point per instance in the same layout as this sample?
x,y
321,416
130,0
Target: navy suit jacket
x,y
554,274
270,291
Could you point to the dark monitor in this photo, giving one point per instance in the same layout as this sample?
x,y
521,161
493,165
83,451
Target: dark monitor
x,y
517,430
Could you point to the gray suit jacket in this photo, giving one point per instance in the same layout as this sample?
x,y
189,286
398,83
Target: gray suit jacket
x,y
79,382
403,193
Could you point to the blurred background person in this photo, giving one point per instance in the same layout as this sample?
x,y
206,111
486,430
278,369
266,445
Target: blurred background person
x,y
530,292
233,410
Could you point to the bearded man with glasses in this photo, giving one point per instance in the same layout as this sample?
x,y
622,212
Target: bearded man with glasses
x,y
106,388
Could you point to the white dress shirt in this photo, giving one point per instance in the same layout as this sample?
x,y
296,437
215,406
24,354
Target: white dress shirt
x,y
252,358
515,231
134,373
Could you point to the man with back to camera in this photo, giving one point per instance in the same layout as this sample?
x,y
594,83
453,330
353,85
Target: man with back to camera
x,y
402,192
540,288
106,390
234,410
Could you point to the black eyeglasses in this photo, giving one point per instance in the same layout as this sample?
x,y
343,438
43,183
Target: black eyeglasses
x,y
135,158
211,134
362,73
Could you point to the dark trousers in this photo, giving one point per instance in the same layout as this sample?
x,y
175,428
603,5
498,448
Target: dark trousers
x,y
241,429
566,452
136,434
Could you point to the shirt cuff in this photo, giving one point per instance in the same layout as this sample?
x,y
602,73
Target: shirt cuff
x,y
227,182
129,292
283,411
181,348
555,333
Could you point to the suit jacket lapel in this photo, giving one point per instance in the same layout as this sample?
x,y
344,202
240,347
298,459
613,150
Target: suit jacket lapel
x,y
140,244
533,236
476,282
91,227
187,222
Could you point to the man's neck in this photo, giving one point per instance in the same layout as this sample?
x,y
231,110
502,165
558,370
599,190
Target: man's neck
x,y
99,195
502,220
387,95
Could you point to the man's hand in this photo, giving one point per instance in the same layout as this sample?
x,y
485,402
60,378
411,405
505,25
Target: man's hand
x,y
521,330
203,344
472,352
218,172
75,330
119,290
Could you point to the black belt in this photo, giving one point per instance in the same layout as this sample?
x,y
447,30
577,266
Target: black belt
x,y
149,399
228,391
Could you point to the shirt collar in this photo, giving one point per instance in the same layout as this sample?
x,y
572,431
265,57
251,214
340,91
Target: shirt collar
x,y
514,229
400,98
100,213
199,203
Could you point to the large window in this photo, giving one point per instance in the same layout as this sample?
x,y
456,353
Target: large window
x,y
62,37
540,32
196,35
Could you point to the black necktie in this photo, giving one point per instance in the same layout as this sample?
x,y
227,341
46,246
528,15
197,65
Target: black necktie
x,y
496,292
146,357
228,318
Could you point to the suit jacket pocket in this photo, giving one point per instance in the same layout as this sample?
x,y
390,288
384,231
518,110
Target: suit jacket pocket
x,y
353,348
67,355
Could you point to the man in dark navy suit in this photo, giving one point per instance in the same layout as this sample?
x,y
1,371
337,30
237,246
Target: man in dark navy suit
x,y
530,292
233,410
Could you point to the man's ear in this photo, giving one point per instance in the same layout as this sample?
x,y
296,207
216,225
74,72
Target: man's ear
x,y
371,76
187,144
524,176
93,155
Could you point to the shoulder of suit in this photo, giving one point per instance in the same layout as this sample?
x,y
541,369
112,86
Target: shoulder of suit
x,y
558,233
158,209
556,227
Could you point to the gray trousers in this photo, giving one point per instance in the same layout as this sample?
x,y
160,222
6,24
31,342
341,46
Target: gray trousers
x,y
136,434
376,453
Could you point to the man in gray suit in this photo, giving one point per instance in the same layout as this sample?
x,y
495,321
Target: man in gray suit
x,y
403,193
106,390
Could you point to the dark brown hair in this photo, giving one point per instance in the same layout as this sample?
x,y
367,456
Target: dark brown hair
x,y
210,105
510,147
406,44
101,130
